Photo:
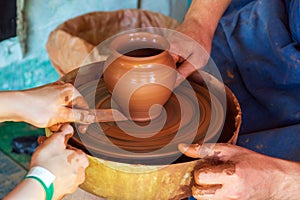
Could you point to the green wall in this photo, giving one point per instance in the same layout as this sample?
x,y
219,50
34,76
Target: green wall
x,y
19,71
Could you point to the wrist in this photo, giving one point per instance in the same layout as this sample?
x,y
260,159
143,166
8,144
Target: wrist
x,y
200,23
191,27
34,185
287,184
11,104
45,178
206,14
27,189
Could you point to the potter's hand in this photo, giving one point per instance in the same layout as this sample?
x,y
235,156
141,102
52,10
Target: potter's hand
x,y
190,49
54,104
232,172
68,165
199,25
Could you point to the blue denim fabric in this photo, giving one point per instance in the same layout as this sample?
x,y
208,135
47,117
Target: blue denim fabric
x,y
257,51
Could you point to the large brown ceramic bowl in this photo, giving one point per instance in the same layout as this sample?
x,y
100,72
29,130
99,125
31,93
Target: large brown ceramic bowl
x,y
114,179
72,42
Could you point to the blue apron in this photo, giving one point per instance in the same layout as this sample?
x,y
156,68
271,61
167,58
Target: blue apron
x,y
257,50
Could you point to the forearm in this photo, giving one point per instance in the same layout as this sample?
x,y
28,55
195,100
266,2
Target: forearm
x,y
207,13
29,189
11,106
23,106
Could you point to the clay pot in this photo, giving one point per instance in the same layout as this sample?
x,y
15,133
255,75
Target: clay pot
x,y
140,73
120,180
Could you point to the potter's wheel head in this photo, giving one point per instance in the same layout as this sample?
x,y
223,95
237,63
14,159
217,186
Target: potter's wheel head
x,y
208,111
191,115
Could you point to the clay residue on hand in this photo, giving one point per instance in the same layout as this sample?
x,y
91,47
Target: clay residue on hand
x,y
205,189
71,157
213,164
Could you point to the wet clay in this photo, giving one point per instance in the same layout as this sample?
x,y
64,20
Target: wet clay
x,y
215,165
182,125
71,157
168,182
140,73
211,164
200,190
96,140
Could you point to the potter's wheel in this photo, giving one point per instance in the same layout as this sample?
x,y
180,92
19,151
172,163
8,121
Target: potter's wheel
x,y
183,124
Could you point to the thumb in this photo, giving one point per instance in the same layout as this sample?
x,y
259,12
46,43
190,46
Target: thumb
x,y
209,150
83,117
66,132
58,140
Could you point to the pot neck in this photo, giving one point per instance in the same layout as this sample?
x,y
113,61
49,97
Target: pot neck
x,y
127,56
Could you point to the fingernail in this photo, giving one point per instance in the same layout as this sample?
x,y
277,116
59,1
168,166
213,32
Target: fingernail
x,y
191,150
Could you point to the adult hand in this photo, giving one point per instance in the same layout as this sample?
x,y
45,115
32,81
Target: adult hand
x,y
54,104
68,165
190,49
233,172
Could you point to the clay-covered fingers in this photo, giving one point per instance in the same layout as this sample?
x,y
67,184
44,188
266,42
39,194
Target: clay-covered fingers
x,y
73,98
79,162
182,60
76,115
78,102
78,158
82,117
215,173
67,131
53,144
58,140
41,139
211,177
188,54
205,192
223,151
56,127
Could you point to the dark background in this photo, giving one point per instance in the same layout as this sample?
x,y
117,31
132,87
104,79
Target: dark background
x,y
8,10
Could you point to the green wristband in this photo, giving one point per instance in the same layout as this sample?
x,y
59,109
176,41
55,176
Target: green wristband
x,y
49,190
45,178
